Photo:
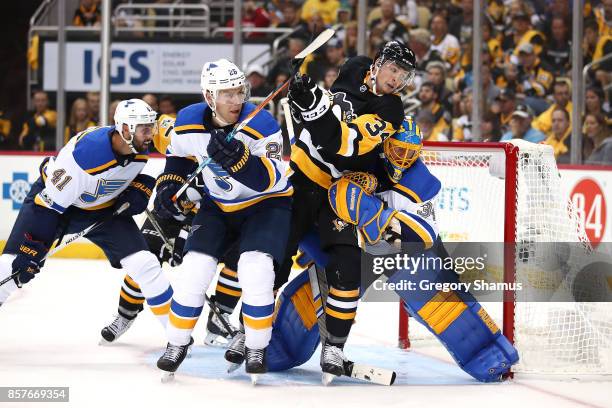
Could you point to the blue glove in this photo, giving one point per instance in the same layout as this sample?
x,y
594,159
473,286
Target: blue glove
x,y
137,194
232,155
29,260
353,205
168,184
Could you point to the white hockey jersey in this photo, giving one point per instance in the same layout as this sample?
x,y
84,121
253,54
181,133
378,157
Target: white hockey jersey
x,y
86,173
262,136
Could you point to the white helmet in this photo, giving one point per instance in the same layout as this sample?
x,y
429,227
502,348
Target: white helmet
x,y
222,74
133,112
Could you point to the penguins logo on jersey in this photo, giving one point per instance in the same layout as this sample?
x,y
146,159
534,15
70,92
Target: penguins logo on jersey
x,y
342,107
104,187
339,224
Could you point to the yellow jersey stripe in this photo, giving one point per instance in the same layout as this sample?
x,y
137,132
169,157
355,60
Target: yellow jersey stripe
x,y
258,324
161,310
189,127
100,206
102,167
311,170
271,171
131,281
234,293
240,206
130,299
39,201
253,132
229,272
141,157
408,191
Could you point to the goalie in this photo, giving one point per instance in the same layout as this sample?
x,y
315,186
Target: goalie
x,y
396,201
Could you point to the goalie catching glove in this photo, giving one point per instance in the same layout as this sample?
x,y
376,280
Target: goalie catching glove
x,y
352,200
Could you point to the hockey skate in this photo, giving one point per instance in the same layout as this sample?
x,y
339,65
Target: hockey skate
x,y
235,352
332,362
172,359
115,330
216,333
255,363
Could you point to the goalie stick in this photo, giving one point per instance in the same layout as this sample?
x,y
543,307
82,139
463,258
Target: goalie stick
x,y
74,238
299,58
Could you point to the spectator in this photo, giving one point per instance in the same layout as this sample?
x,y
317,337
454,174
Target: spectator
x,y
462,126
327,9
521,34
510,78
151,100
420,42
257,79
505,106
112,108
333,57
589,40
460,23
314,26
290,17
350,39
387,27
489,128
295,45
520,126
428,96
492,44
436,74
444,43
252,16
93,106
561,96
597,130
88,14
534,79
5,131
559,135
38,132
330,77
556,53
78,120
166,106
594,101
603,16
427,123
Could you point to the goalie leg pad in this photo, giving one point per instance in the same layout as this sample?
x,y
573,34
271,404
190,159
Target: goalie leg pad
x,y
460,323
295,333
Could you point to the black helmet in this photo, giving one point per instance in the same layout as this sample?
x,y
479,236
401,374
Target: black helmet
x,y
399,53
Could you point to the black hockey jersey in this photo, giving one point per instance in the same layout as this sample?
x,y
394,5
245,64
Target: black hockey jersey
x,y
366,120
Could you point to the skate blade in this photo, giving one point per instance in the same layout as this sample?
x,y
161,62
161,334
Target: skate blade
x,y
213,340
254,379
231,367
167,377
104,342
327,378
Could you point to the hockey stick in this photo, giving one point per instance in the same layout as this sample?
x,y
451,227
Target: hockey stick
x,y
312,47
290,130
74,238
382,376
211,304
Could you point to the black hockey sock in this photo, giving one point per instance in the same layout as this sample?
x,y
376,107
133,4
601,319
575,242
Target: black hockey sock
x,y
130,299
228,291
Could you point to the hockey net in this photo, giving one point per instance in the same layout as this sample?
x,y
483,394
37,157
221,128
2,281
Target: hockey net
x,y
511,192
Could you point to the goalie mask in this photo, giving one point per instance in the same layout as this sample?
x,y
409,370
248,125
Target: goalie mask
x,y
399,60
402,149
140,119
224,83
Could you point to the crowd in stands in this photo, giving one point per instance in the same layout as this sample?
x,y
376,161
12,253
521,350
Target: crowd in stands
x,y
525,72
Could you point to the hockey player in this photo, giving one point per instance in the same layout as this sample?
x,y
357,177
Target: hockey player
x,y
131,299
95,173
364,96
247,197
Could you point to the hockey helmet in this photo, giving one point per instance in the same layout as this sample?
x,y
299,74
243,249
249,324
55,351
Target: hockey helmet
x,y
402,148
138,116
222,74
399,54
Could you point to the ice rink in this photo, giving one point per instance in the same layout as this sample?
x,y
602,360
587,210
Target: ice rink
x,y
49,333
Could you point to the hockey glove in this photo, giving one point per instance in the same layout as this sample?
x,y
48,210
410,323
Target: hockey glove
x,y
307,98
137,194
29,260
232,155
167,186
352,204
